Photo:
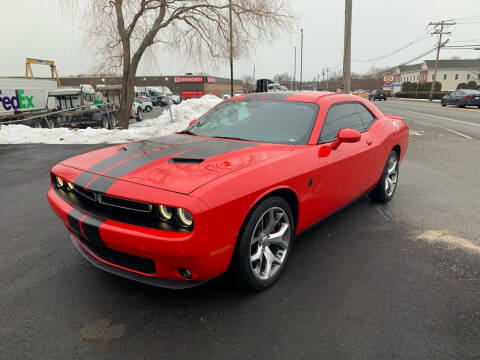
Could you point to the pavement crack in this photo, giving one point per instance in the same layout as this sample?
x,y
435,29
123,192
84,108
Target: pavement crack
x,y
391,219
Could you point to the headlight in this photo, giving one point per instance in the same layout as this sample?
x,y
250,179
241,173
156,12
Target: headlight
x,y
59,182
165,212
184,217
69,185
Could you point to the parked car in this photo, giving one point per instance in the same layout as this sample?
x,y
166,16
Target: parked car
x,y
146,105
377,95
231,191
176,98
137,111
276,88
462,98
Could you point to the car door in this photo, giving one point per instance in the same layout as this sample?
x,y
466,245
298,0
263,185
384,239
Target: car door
x,y
453,97
345,173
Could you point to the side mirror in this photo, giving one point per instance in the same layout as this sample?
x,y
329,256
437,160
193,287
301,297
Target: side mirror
x,y
192,122
343,136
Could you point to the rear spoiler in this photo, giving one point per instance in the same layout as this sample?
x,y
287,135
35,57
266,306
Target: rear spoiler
x,y
393,116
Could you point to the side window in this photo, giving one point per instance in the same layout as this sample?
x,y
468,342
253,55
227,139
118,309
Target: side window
x,y
365,115
340,116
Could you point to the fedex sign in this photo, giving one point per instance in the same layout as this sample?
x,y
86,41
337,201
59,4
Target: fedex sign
x,y
21,99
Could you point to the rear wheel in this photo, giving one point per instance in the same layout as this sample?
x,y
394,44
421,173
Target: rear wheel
x,y
264,244
457,104
387,185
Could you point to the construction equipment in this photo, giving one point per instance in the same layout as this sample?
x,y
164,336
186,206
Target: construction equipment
x,y
53,68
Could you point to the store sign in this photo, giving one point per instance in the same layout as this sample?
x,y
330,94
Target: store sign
x,y
388,77
187,94
211,79
188,79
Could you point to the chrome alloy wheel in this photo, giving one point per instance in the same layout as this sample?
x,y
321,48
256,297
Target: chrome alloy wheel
x,y
269,243
391,178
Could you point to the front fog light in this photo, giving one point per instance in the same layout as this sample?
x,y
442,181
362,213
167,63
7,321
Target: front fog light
x,y
59,182
69,185
184,217
165,212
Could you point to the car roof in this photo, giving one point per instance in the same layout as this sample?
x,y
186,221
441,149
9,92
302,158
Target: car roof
x,y
304,96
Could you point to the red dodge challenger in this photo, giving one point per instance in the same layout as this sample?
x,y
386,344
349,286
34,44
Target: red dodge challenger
x,y
231,191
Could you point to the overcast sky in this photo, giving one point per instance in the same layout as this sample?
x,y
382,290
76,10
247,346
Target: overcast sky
x,y
38,29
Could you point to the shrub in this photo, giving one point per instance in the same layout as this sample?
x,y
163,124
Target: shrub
x,y
420,94
422,86
470,85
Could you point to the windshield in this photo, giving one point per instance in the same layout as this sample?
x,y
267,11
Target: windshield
x,y
280,122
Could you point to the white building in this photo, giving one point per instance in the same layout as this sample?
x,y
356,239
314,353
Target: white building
x,y
450,72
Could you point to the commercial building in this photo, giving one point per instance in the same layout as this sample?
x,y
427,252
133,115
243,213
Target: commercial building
x,y
450,73
188,86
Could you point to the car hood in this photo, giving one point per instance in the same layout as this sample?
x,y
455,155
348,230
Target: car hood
x,y
178,163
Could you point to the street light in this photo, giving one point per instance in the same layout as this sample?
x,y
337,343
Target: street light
x,y
301,59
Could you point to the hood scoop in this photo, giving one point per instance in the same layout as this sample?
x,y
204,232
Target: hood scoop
x,y
185,160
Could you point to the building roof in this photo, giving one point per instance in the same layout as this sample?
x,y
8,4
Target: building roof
x,y
455,64
410,68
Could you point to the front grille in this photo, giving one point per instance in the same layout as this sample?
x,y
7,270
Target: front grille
x,y
124,203
119,258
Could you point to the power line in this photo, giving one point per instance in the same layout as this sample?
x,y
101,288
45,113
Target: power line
x,y
417,39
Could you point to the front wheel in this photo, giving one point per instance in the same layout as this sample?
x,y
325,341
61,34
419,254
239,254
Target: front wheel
x,y
148,109
139,115
443,103
387,185
264,244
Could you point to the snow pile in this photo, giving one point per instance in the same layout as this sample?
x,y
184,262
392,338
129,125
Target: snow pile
x,y
162,125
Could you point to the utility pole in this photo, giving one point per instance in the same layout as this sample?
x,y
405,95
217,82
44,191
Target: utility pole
x,y
323,78
294,68
231,49
347,46
318,82
438,32
301,60
327,78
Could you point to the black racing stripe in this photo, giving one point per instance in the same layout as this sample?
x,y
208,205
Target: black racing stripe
x,y
139,147
101,184
83,179
91,229
74,217
255,96
139,161
211,148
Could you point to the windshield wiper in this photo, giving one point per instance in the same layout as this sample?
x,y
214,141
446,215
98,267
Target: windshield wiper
x,y
229,137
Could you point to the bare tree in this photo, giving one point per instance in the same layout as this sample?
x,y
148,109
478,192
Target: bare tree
x,y
248,83
124,30
282,79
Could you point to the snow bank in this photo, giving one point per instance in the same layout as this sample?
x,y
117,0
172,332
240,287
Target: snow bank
x,y
162,125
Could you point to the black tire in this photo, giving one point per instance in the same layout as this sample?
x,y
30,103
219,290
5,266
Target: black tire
x,y
443,103
240,266
139,116
457,103
148,108
379,193
478,106
105,122
385,99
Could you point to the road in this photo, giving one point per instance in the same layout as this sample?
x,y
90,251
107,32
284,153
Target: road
x,y
396,281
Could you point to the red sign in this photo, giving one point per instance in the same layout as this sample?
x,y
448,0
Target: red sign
x,y
211,79
188,79
187,94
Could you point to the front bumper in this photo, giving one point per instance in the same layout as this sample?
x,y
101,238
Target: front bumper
x,y
139,253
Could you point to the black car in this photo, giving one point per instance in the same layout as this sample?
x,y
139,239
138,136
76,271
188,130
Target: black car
x,y
377,95
462,98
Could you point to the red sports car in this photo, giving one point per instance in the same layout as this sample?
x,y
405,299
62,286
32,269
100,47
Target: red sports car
x,y
231,191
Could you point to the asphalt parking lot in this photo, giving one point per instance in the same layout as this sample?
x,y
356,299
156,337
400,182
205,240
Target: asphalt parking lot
x,y
395,281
